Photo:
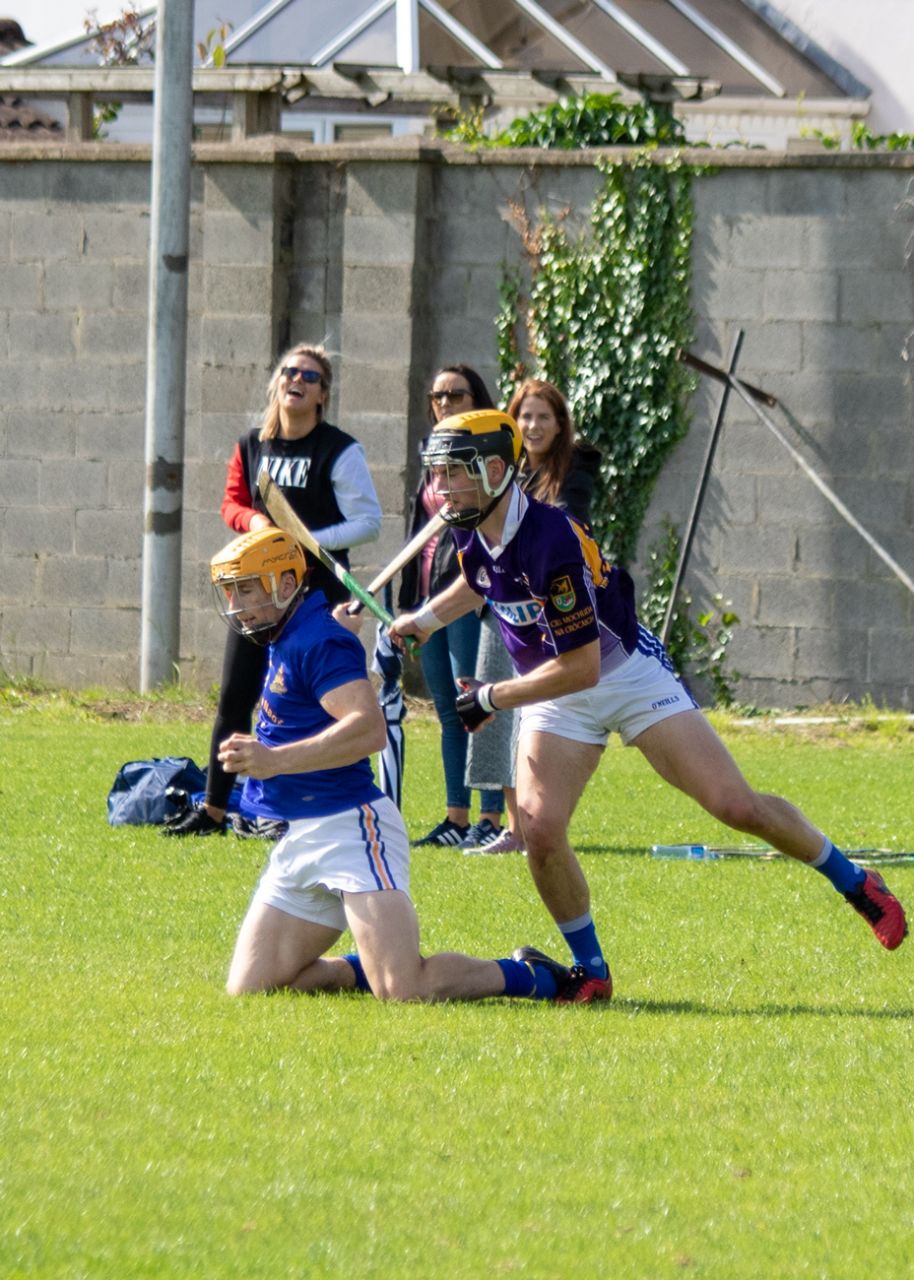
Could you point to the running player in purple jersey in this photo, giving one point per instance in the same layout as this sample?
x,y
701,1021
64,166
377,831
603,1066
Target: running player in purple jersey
x,y
344,861
585,667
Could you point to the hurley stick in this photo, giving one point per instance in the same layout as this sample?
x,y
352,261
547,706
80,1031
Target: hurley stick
x,y
403,556
284,515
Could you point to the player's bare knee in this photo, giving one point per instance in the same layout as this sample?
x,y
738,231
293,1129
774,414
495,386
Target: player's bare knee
x,y
248,979
739,811
396,991
541,834
241,986
396,986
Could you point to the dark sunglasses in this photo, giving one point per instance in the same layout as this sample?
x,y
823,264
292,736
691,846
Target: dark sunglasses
x,y
306,375
446,397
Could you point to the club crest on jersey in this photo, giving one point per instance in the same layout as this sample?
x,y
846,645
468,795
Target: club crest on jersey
x,y
561,592
278,683
482,578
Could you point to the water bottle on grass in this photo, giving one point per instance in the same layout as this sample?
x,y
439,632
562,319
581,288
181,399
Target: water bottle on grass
x,y
690,852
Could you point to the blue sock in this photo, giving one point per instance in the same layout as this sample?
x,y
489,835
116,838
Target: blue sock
x,y
361,981
522,979
581,936
845,875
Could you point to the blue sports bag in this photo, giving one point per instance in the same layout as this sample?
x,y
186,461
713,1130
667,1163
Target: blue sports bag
x,y
143,791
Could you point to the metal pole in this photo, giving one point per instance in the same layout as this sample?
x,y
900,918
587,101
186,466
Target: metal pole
x,y
752,396
407,20
903,577
692,526
166,355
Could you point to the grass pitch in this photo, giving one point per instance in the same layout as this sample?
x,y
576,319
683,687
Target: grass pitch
x,y
741,1109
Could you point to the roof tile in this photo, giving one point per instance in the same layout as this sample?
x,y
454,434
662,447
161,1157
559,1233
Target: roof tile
x,y
17,118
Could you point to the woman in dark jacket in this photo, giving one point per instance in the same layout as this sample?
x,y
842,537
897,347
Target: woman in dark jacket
x,y
452,651
555,467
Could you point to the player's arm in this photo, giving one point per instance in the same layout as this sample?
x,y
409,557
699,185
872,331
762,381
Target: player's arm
x,y
574,661
446,607
358,730
566,672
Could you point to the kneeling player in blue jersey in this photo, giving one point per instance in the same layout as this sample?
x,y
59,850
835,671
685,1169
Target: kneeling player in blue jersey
x,y
345,859
585,667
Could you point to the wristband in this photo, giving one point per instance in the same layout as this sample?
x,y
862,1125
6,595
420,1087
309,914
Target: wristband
x,y
470,709
484,698
427,620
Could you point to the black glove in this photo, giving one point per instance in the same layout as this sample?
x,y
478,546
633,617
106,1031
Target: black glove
x,y
475,707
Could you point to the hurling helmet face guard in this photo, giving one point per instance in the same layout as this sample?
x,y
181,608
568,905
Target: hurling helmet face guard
x,y
460,447
262,557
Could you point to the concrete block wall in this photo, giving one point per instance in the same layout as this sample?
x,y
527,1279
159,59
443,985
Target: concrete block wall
x,y
479,213
237,307
392,255
73,250
814,267
382,330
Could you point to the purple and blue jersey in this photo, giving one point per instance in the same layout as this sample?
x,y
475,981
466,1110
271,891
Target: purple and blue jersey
x,y
313,656
550,587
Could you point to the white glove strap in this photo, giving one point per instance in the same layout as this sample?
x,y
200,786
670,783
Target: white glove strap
x,y
484,698
427,619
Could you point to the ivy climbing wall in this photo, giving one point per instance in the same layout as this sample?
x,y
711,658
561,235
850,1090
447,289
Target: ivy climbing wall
x,y
395,255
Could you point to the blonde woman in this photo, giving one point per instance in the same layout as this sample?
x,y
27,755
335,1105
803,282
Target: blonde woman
x,y
323,473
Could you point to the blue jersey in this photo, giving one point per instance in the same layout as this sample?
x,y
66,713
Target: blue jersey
x,y
313,656
549,586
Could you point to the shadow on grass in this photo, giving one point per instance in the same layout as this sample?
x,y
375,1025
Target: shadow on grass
x,y
627,850
691,1007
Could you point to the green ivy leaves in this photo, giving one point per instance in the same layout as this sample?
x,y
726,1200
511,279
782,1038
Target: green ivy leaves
x,y
605,313
594,120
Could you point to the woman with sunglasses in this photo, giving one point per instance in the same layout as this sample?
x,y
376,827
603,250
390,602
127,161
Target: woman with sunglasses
x,y
323,473
451,652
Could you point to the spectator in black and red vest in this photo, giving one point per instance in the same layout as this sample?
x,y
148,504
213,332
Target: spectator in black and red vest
x,y
324,474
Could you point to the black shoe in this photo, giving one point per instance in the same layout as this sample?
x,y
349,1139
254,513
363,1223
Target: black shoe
x,y
479,835
193,822
531,956
582,987
447,835
258,828
573,986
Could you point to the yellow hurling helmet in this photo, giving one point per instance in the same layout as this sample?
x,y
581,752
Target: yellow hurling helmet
x,y
470,440
264,556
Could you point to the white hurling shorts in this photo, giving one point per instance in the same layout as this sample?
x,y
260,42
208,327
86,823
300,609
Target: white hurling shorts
x,y
639,693
361,850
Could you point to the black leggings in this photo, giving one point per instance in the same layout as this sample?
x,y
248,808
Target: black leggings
x,y
243,670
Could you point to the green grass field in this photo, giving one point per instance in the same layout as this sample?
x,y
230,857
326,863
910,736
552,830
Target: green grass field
x,y
743,1108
